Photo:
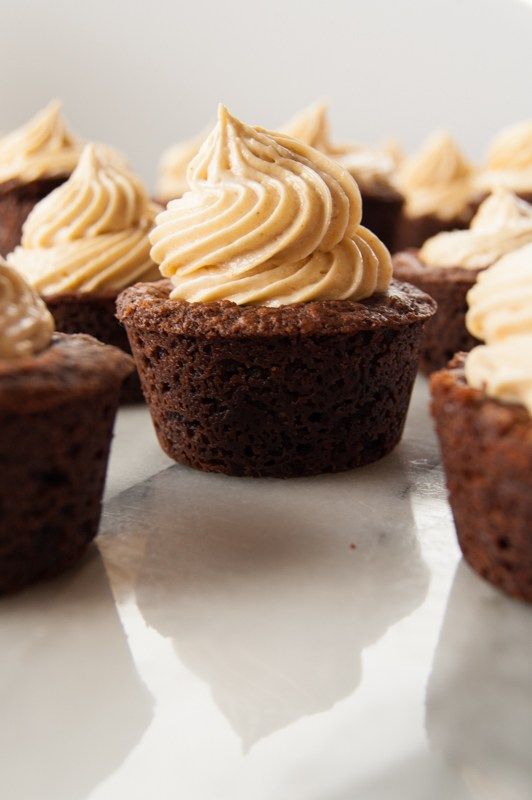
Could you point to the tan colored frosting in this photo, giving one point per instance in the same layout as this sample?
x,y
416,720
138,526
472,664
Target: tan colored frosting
x,y
91,233
371,167
509,160
43,148
26,325
502,223
437,180
269,221
172,181
500,313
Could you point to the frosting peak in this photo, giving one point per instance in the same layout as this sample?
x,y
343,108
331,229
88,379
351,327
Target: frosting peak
x,y
43,148
509,160
500,313
502,223
26,325
437,179
267,220
91,232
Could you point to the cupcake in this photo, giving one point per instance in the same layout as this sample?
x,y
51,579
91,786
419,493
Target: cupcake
x,y
34,160
373,168
84,243
482,405
172,170
448,264
509,162
58,399
277,345
439,186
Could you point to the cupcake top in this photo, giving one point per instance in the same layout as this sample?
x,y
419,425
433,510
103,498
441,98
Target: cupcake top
x,y
173,165
371,167
437,180
43,148
509,160
26,325
91,233
500,313
267,220
502,224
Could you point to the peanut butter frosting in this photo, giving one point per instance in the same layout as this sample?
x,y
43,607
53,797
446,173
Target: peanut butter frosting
x,y
172,181
89,234
43,148
500,313
26,325
437,180
502,223
269,221
371,167
509,160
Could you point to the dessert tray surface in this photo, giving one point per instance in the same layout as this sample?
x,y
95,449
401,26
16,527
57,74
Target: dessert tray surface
x,y
241,639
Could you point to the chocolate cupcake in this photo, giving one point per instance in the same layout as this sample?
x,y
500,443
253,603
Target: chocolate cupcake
x,y
58,399
439,186
482,406
34,160
509,162
448,265
84,243
373,168
277,346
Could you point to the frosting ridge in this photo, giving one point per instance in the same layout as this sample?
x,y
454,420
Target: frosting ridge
x,y
91,233
42,148
502,223
267,220
26,325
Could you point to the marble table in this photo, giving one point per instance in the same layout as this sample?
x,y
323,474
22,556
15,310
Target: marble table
x,y
239,639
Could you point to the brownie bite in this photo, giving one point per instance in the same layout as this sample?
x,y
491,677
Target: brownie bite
x,y
278,346
482,405
34,160
448,265
84,243
58,399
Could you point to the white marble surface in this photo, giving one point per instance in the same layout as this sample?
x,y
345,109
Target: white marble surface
x,y
234,639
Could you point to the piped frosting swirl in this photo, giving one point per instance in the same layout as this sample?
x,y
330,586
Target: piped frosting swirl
x,y
500,313
268,220
502,223
89,234
437,180
173,165
509,160
42,148
26,325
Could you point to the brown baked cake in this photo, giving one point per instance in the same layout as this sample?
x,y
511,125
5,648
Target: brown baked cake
x,y
79,251
295,390
487,454
58,399
448,265
34,160
445,333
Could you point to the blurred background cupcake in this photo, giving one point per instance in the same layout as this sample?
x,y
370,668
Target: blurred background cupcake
x,y
509,162
84,243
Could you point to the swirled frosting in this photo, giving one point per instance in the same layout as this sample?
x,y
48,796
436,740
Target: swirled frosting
x,y
43,148
500,313
509,160
268,220
371,167
26,325
89,234
437,180
502,223
172,180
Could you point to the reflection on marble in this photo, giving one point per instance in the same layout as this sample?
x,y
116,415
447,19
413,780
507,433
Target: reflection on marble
x,y
479,697
270,590
63,656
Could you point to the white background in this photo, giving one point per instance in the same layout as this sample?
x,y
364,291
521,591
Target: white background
x,y
141,75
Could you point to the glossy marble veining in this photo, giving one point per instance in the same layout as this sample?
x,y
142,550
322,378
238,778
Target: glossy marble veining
x,y
231,639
